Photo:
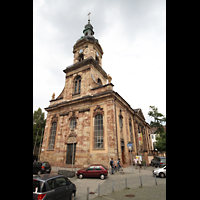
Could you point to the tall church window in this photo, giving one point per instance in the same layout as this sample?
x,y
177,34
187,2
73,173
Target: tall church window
x,y
52,136
121,121
98,131
77,85
131,131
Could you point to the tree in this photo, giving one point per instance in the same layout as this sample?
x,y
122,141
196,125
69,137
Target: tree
x,y
38,125
159,119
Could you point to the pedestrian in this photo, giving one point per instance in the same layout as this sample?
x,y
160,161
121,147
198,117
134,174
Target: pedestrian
x,y
119,164
115,166
135,160
112,165
139,162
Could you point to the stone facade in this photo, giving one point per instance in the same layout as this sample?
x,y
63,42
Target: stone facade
x,y
72,125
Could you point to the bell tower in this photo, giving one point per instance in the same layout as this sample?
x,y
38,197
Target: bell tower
x,y
88,46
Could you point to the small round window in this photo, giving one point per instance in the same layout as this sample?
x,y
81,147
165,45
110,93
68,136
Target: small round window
x,y
73,123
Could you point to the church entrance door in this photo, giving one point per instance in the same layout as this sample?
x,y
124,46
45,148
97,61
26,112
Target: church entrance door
x,y
70,153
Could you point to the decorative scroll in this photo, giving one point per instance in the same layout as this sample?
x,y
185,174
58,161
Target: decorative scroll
x,y
54,119
73,116
98,110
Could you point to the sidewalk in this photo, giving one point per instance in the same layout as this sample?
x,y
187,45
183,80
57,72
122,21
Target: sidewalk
x,y
117,181
156,192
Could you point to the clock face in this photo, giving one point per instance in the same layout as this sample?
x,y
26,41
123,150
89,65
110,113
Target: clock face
x,y
86,51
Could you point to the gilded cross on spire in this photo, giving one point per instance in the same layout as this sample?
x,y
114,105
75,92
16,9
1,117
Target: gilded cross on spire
x,y
89,17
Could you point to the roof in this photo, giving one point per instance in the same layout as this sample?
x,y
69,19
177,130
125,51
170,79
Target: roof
x,y
44,177
84,62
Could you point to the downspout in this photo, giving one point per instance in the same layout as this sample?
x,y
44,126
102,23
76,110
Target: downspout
x,y
116,128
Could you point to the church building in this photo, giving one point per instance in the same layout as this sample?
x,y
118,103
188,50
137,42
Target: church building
x,y
89,123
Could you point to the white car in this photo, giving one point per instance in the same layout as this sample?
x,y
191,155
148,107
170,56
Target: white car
x,y
160,171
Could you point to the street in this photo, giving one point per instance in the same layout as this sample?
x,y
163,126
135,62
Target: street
x,y
149,189
117,182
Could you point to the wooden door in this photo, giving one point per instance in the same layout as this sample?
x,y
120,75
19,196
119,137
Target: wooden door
x,y
70,152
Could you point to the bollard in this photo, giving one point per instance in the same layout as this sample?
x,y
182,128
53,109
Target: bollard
x,y
140,181
87,197
112,186
99,189
126,183
155,180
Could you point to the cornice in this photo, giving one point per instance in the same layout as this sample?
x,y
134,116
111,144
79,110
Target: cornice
x,y
84,62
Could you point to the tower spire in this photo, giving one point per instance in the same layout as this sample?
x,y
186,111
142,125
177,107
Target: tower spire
x,y
89,17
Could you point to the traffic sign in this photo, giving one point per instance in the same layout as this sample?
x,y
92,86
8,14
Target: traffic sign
x,y
129,144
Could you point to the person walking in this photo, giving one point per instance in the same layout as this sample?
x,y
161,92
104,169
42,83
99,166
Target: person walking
x,y
115,166
119,164
112,165
135,160
139,162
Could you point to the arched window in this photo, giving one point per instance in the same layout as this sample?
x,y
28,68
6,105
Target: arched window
x,y
98,131
73,123
80,57
99,81
97,59
121,121
131,131
52,136
77,85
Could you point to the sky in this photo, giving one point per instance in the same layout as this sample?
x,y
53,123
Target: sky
x,y
132,34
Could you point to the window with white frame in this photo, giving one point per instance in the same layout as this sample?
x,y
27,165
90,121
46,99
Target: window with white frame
x,y
52,136
98,131
77,85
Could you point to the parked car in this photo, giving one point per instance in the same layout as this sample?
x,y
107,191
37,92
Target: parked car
x,y
158,161
41,167
53,186
161,171
96,170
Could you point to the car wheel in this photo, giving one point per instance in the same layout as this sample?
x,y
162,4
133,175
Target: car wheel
x,y
102,176
80,176
49,171
162,175
72,196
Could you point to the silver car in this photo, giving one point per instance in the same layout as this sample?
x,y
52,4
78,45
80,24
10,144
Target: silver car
x,y
161,171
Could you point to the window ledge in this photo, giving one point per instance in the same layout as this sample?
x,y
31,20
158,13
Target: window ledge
x,y
99,149
76,95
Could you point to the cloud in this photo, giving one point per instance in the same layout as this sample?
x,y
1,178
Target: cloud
x,y
131,33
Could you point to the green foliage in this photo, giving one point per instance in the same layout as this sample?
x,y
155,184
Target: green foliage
x,y
159,119
38,125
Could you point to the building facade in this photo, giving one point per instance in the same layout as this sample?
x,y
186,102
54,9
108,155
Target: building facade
x,y
89,122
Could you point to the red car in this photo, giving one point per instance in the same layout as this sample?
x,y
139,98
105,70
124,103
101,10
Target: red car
x,y
96,170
